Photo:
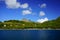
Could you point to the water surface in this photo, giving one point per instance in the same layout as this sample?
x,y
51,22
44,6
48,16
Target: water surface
x,y
29,34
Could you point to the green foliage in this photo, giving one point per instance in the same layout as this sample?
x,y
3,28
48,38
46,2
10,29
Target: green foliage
x,y
16,24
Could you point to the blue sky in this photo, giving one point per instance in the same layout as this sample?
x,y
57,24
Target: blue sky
x,y
35,10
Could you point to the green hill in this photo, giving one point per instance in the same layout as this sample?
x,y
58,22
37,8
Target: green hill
x,y
16,24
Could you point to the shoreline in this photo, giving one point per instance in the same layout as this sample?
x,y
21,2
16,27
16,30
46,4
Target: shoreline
x,y
29,29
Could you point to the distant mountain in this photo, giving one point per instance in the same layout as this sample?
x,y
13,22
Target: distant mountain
x,y
26,20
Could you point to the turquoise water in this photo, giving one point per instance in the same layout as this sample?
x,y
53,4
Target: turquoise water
x,y
29,35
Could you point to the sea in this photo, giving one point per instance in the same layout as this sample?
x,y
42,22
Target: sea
x,y
29,34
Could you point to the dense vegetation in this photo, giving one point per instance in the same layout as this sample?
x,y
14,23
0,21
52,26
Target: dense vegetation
x,y
16,24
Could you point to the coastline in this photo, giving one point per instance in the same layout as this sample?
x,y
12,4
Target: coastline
x,y
29,29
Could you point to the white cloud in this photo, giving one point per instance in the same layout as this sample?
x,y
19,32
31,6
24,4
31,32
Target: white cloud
x,y
43,5
42,13
42,20
25,5
25,12
12,4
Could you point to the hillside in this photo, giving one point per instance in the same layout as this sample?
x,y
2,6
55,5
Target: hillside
x,y
16,24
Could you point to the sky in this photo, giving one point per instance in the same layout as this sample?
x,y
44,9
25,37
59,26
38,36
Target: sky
x,y
35,10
